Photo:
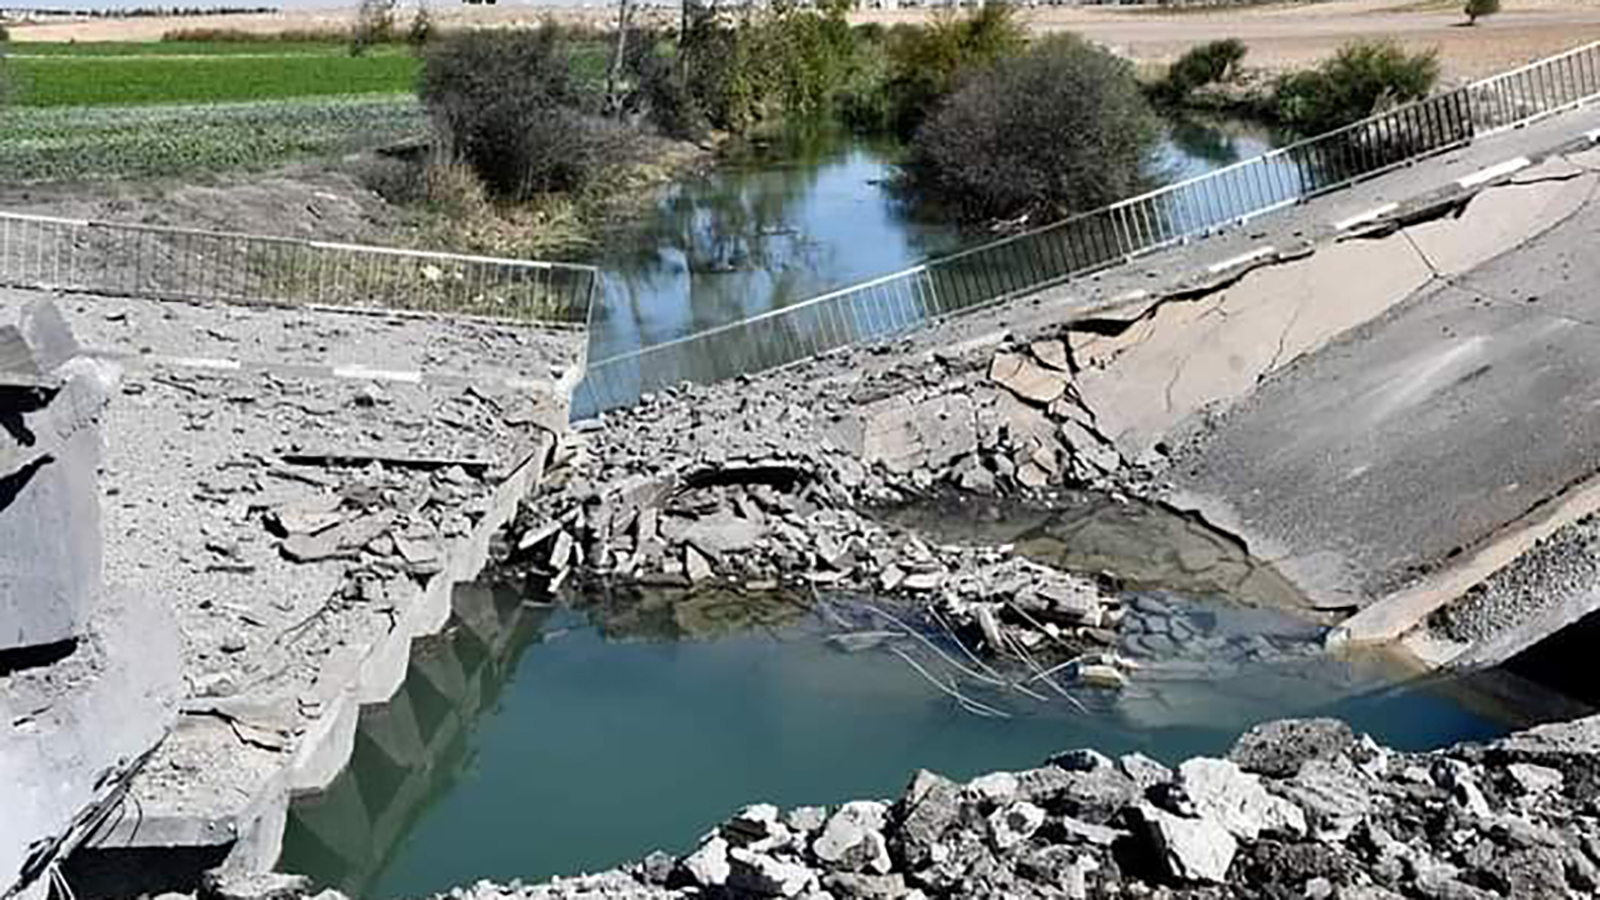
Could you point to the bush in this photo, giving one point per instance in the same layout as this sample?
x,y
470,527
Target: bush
x,y
930,61
863,101
322,35
1477,9
422,29
374,25
745,66
1061,128
506,104
1360,79
1206,64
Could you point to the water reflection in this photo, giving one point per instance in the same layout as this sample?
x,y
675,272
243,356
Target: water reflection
x,y
814,211
531,740
782,221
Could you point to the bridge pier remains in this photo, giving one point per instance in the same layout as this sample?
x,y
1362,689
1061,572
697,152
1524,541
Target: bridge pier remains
x,y
88,672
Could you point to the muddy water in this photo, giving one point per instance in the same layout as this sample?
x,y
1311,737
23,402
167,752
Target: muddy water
x,y
533,740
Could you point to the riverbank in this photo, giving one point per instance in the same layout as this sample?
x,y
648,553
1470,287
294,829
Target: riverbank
x,y
1300,808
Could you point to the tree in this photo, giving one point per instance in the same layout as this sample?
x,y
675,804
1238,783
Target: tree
x,y
1477,9
421,30
619,58
1064,127
374,25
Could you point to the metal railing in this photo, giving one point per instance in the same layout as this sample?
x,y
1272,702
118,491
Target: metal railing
x,y
1038,259
185,264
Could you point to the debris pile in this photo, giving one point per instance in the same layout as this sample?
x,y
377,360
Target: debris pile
x,y
765,481
1300,808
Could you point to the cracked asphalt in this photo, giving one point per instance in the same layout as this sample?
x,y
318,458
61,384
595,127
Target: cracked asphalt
x,y
1409,440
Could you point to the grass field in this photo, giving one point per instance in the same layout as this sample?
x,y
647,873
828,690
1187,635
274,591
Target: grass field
x,y
126,74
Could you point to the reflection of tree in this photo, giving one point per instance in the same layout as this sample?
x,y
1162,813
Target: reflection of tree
x,y
1203,140
665,614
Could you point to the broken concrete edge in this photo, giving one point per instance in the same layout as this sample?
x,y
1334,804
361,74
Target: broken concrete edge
x,y
1449,198
366,676
1398,615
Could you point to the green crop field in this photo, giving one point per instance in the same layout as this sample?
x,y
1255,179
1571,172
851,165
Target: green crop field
x,y
52,75
66,143
183,48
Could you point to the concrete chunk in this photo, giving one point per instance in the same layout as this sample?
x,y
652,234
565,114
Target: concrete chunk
x,y
50,570
1026,378
34,339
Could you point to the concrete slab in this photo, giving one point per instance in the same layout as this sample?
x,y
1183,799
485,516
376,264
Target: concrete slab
x,y
1499,219
1188,356
1418,437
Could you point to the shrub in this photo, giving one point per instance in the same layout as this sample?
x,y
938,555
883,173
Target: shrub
x,y
422,29
930,61
863,100
507,105
374,25
8,88
1206,64
659,93
742,66
1360,79
1063,127
1477,9
321,35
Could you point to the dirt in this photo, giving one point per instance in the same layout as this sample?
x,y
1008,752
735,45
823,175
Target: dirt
x,y
1281,36
313,201
1284,37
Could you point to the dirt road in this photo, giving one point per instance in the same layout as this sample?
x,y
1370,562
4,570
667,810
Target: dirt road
x,y
1280,36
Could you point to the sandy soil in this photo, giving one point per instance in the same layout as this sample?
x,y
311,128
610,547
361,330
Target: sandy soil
x,y
1280,36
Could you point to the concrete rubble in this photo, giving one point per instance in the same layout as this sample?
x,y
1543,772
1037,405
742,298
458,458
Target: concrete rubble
x,y
771,481
88,667
1297,809
300,524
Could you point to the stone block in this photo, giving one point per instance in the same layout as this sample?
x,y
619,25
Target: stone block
x,y
34,339
50,571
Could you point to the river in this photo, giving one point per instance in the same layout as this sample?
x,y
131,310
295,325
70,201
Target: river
x,y
800,214
537,738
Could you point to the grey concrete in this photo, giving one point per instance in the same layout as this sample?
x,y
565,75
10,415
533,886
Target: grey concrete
x,y
1416,437
50,513
75,729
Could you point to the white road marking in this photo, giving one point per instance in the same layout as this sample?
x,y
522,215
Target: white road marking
x,y
1377,212
1484,176
198,362
371,374
1241,259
